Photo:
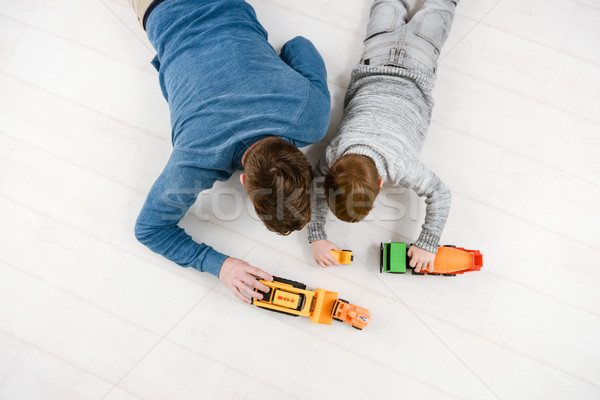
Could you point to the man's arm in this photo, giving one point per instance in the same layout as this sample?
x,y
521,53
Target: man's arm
x,y
173,193
311,125
300,54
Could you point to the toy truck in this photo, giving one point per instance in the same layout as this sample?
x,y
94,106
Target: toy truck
x,y
320,306
343,256
449,261
356,316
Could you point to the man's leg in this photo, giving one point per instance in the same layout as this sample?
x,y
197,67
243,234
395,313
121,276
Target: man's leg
x,y
140,7
386,30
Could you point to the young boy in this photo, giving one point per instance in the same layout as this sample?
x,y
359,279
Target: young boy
x,y
387,111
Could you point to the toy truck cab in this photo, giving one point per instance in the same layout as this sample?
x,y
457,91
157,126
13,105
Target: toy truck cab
x,y
353,315
393,258
285,298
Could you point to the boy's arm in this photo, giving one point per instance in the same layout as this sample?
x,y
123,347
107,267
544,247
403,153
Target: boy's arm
x,y
173,193
316,226
317,237
425,183
300,54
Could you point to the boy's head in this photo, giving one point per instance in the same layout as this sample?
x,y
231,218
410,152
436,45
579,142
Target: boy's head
x,y
278,177
351,186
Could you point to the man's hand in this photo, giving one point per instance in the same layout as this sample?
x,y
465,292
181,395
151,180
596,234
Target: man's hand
x,y
240,277
421,259
322,253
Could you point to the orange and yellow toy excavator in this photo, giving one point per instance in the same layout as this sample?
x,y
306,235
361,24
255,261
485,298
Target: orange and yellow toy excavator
x,y
321,306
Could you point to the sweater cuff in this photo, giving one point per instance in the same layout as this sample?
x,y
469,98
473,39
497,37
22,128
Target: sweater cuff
x,y
428,241
213,261
424,79
316,231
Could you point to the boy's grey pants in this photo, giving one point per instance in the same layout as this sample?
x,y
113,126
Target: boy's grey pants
x,y
416,44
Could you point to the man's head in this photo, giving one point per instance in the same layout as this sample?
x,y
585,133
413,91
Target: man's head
x,y
351,186
278,177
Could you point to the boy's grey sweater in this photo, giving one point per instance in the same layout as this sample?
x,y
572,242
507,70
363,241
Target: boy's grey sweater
x,y
387,112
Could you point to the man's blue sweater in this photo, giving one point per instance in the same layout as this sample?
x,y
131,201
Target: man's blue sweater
x,y
226,88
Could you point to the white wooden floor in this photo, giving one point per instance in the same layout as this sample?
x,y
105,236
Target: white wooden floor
x,y
86,312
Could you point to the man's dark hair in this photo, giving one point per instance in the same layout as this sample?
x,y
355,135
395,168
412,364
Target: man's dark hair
x,y
278,182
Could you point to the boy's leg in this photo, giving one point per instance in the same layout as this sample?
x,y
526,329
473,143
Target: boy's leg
x,y
386,29
415,44
427,33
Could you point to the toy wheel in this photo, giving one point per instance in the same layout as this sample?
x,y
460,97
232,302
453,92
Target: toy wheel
x,y
297,285
449,245
356,327
280,312
381,258
344,301
417,273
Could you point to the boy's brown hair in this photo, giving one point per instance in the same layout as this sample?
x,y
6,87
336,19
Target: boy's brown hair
x,y
278,182
351,186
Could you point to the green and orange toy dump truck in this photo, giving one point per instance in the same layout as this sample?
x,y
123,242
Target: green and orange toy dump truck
x,y
450,260
321,306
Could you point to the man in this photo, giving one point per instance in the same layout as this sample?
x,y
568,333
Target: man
x,y
234,104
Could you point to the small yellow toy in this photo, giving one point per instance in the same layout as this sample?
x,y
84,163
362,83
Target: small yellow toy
x,y
343,256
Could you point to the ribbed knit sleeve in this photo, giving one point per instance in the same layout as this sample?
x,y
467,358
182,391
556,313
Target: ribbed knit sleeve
x,y
316,226
414,175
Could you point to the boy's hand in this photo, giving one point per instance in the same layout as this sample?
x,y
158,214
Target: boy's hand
x,y
240,277
322,253
421,259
